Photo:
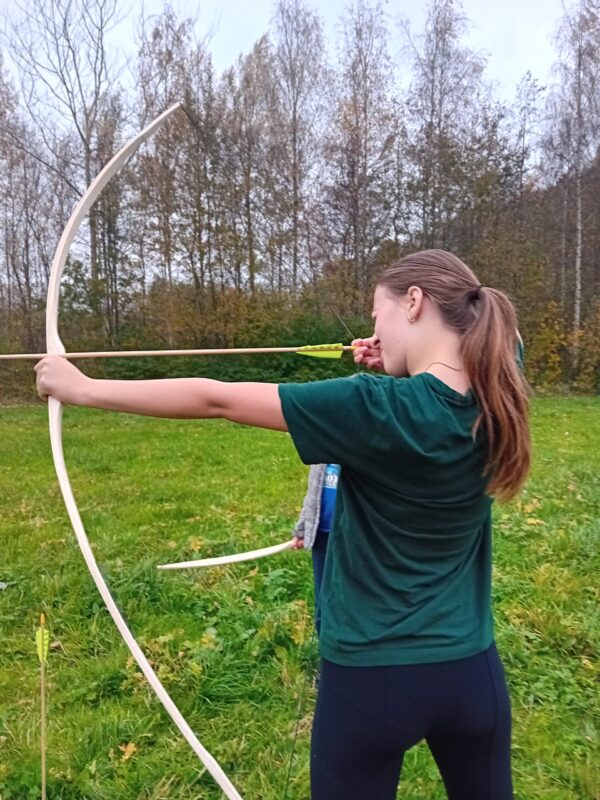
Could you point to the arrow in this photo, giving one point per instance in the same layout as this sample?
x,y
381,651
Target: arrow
x,y
42,640
314,350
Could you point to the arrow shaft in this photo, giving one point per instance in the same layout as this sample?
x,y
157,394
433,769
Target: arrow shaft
x,y
230,351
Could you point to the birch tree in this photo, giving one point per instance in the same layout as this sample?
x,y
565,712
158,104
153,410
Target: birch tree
x,y
445,92
574,136
300,73
358,182
60,49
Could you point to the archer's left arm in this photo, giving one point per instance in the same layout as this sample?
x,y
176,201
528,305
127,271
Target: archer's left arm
x,y
256,404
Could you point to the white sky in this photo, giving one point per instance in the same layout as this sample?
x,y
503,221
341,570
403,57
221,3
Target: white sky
x,y
515,35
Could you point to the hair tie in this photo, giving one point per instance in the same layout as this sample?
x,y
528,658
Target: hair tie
x,y
475,293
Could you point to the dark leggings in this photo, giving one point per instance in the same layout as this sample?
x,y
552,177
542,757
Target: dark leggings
x,y
368,717
319,551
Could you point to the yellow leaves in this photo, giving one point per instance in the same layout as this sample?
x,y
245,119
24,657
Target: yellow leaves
x,y
528,508
128,750
196,544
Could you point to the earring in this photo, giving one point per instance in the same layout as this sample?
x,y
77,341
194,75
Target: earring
x,y
411,320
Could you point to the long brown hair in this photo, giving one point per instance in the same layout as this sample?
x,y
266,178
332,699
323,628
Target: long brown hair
x,y
487,323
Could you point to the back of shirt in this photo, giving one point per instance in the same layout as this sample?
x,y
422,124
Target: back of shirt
x,y
409,576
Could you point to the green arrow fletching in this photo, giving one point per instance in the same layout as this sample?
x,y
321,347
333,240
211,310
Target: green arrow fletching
x,y
322,350
42,639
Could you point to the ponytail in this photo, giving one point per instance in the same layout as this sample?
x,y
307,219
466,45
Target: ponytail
x,y
487,324
489,351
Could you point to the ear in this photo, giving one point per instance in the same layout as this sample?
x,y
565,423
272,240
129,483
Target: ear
x,y
414,296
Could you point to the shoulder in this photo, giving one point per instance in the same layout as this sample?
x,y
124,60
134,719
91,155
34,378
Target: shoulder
x,y
360,388
357,391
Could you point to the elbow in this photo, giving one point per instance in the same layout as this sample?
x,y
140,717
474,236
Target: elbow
x,y
211,401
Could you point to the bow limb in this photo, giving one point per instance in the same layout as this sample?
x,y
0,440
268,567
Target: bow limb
x,y
219,561
55,346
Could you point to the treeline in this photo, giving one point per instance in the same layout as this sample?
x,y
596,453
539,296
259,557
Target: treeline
x,y
265,213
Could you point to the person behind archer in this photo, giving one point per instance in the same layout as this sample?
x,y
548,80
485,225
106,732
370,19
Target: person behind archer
x,y
316,520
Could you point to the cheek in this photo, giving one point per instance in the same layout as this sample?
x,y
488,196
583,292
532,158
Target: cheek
x,y
386,324
390,330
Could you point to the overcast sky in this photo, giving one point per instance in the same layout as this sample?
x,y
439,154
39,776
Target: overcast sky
x,y
515,35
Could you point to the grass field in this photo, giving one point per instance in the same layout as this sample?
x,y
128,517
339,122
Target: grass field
x,y
234,645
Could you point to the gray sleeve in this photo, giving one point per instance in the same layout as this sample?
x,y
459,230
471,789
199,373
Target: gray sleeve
x,y
308,522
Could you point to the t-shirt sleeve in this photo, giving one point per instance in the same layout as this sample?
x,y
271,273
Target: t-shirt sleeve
x,y
336,421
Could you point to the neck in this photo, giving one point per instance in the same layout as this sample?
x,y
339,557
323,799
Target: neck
x,y
435,357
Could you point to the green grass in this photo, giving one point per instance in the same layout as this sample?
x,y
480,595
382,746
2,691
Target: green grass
x,y
234,645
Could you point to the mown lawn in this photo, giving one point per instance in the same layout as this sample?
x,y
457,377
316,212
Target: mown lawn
x,y
234,645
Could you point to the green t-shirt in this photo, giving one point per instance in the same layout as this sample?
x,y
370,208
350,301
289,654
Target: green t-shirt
x,y
408,570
